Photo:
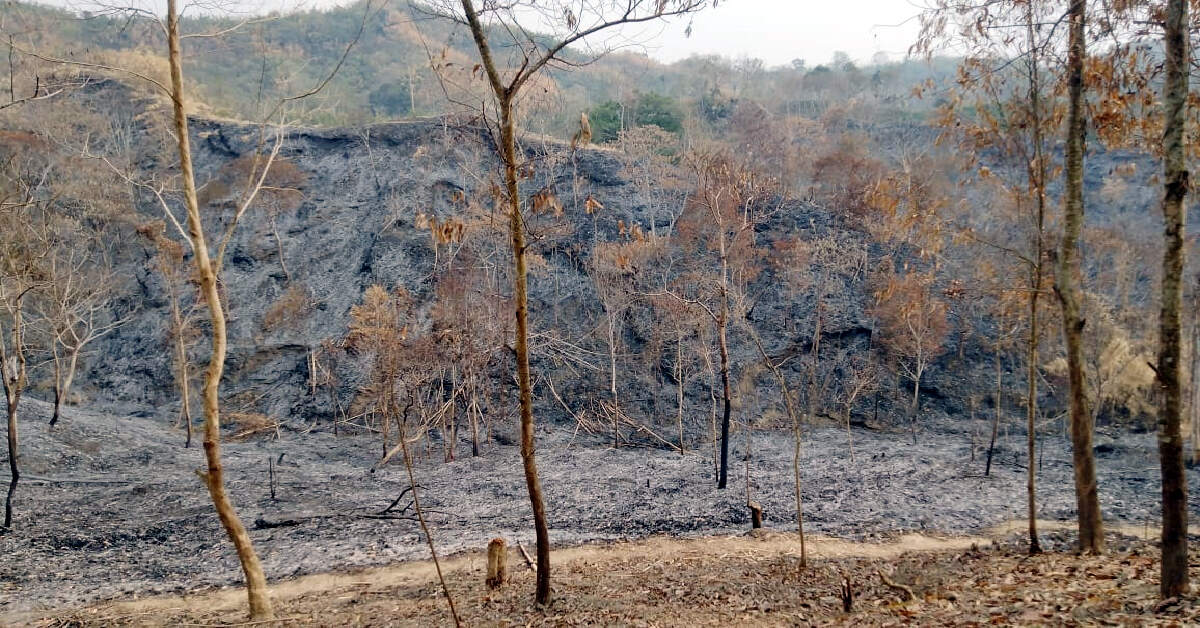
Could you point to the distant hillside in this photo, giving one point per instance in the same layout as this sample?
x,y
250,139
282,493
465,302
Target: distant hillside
x,y
389,74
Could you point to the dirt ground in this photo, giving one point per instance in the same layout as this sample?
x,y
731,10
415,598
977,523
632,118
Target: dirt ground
x,y
719,581
111,508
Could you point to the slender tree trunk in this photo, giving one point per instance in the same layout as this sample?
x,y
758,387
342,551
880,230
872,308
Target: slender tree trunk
x,y
712,408
1174,581
72,368
797,441
62,389
13,373
1038,179
1070,294
850,433
384,431
814,358
412,484
58,385
475,415
13,397
1195,385
256,582
612,378
279,251
723,474
1031,405
987,469
508,153
916,400
679,392
749,445
797,435
184,374
521,299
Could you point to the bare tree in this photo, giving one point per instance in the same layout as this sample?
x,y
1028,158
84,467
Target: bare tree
x,y
25,243
610,268
15,286
646,163
774,365
208,263
570,25
208,272
717,231
859,376
681,320
181,334
76,306
400,365
913,319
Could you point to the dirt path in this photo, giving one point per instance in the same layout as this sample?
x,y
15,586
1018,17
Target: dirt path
x,y
1145,531
704,581
651,550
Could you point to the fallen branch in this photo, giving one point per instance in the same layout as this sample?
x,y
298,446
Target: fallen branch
x,y
396,517
259,622
578,419
908,592
528,560
263,524
266,524
616,416
397,501
34,478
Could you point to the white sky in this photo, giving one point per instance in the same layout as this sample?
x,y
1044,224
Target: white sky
x,y
775,31
778,31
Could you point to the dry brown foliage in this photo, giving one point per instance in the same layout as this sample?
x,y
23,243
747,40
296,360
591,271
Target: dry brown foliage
x,y
245,425
291,306
844,174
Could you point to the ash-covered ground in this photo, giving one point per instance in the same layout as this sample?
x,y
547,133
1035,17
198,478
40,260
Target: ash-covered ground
x,y
112,506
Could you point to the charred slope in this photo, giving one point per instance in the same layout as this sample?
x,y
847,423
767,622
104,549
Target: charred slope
x,y
367,197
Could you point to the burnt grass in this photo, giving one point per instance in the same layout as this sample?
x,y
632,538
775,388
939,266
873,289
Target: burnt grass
x,y
110,505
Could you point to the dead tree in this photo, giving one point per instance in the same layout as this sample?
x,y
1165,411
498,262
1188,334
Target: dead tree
x,y
569,25
401,369
858,377
24,246
76,305
13,372
913,321
716,231
793,416
181,334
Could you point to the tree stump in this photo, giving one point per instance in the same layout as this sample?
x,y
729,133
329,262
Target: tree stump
x,y
756,515
497,563
847,594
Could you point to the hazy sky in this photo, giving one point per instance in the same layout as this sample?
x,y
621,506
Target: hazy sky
x,y
778,31
775,31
